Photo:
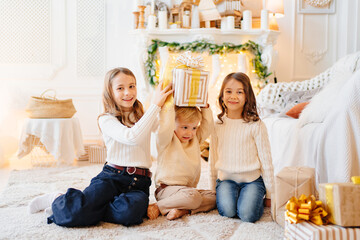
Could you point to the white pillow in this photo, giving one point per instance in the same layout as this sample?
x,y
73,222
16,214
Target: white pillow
x,y
293,98
321,103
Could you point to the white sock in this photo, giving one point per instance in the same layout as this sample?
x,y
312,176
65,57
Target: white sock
x,y
48,211
42,202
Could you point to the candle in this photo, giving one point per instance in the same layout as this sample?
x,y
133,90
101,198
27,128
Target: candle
x,y
230,22
152,9
162,15
140,2
195,19
223,23
264,19
242,62
151,22
186,19
247,20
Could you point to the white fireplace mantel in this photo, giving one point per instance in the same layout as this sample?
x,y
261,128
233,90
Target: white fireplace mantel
x,y
142,38
236,36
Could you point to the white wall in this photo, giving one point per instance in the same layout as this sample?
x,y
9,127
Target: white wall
x,y
69,45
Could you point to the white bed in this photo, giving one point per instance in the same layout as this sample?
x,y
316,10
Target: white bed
x,y
331,145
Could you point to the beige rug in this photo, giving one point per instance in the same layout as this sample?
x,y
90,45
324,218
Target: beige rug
x,y
17,223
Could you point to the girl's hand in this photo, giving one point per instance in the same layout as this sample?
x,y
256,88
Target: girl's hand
x,y
162,94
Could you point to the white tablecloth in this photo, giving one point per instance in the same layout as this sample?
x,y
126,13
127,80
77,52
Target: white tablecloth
x,y
61,137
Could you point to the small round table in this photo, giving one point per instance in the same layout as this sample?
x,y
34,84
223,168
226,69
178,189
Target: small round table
x,y
59,137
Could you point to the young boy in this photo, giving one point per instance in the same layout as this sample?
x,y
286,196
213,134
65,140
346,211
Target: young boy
x,y
179,163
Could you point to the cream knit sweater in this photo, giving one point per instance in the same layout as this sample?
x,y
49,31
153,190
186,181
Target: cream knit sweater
x,y
129,146
179,163
240,151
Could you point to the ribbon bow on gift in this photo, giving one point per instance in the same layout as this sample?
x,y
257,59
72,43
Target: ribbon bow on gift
x,y
190,61
355,179
305,208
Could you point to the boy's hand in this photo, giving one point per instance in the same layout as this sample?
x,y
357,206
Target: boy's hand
x,y
207,106
267,202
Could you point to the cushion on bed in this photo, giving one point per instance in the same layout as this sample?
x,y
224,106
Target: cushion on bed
x,y
295,111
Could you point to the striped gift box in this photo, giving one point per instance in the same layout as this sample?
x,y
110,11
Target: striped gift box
x,y
189,91
97,154
87,145
310,231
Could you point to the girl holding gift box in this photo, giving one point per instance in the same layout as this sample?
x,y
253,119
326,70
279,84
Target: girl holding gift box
x,y
179,163
120,193
240,158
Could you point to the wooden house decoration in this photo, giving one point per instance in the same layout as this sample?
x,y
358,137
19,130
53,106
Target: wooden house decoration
x,y
208,13
233,8
174,14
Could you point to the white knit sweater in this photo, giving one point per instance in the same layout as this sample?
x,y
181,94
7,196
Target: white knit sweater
x,y
240,151
179,163
129,146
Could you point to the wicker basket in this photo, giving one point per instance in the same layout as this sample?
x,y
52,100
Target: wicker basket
x,y
50,107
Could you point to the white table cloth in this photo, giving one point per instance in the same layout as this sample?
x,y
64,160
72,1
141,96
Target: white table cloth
x,y
61,137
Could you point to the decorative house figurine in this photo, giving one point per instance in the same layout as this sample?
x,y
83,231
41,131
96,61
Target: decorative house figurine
x,y
208,12
174,14
233,8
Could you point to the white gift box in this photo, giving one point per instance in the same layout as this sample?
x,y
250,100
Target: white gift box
x,y
189,91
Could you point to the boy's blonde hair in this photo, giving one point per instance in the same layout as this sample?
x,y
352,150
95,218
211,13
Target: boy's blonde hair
x,y
189,114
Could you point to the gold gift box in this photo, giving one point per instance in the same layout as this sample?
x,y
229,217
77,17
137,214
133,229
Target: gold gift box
x,y
190,87
290,182
341,202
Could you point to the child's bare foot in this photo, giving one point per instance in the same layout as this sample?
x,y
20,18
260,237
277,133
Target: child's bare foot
x,y
153,211
176,213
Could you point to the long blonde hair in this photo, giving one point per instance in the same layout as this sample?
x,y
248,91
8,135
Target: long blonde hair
x,y
109,103
249,112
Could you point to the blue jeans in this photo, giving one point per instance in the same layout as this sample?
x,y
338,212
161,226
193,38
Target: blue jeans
x,y
112,196
244,200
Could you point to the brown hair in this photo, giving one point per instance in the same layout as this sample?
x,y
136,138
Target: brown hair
x,y
188,113
109,102
249,111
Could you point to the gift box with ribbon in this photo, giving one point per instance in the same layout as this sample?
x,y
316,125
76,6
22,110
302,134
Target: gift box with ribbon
x,y
189,82
341,201
291,182
305,209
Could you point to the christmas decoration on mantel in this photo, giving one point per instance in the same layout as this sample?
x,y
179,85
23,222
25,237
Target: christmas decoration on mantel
x,y
318,3
203,46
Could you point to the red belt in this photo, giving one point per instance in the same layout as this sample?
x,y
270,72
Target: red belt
x,y
162,186
133,170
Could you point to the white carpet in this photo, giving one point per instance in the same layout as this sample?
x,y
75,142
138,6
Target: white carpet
x,y
17,223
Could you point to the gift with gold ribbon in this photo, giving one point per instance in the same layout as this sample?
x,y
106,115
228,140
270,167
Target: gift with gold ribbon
x,y
341,202
305,209
189,81
291,181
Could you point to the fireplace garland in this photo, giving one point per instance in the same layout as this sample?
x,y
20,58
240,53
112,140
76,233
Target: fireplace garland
x,y
203,46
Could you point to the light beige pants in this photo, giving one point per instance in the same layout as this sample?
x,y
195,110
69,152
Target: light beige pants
x,y
182,197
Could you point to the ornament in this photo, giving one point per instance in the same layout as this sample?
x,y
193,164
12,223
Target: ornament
x,y
318,3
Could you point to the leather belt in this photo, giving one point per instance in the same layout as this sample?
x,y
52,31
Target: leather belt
x,y
162,186
133,170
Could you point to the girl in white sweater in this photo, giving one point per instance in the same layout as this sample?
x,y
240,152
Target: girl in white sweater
x,y
120,192
240,158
